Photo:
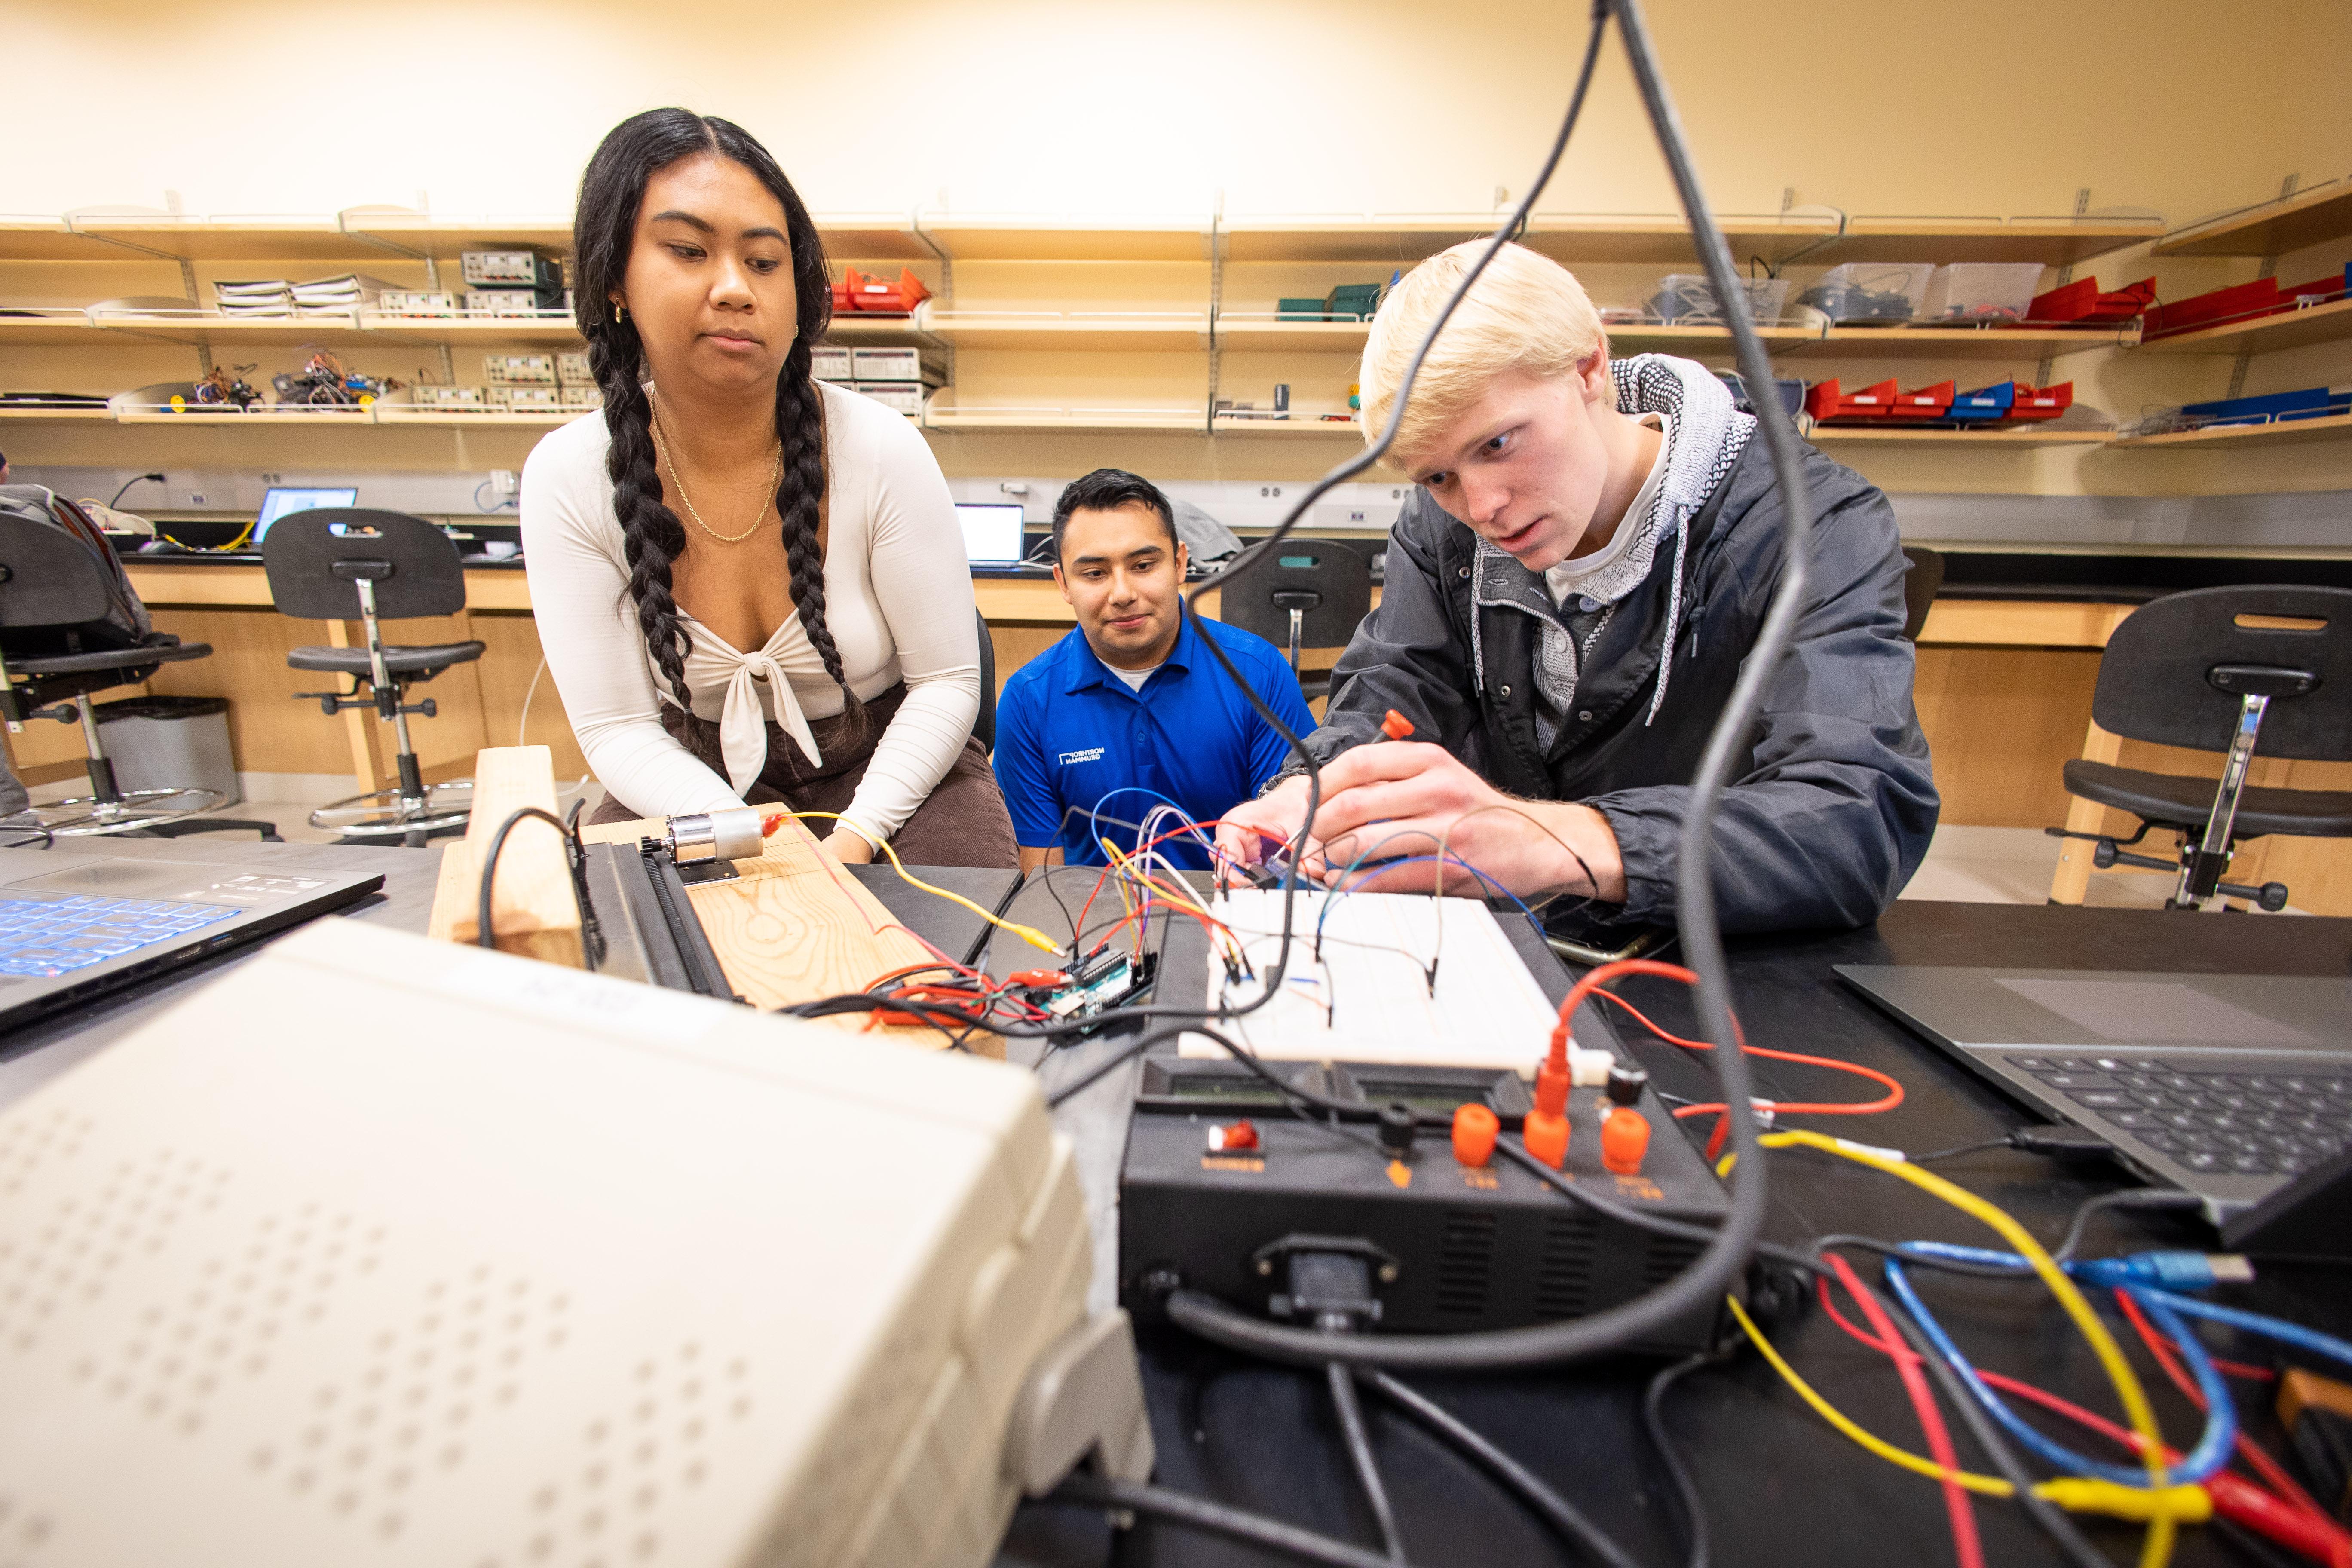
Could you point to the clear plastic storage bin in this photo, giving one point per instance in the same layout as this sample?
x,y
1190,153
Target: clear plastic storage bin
x,y
1688,298
1866,293
1971,291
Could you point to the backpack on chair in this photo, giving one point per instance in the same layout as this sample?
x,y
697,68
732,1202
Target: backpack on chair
x,y
125,623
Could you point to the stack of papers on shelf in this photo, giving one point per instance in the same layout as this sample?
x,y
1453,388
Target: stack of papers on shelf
x,y
269,296
336,296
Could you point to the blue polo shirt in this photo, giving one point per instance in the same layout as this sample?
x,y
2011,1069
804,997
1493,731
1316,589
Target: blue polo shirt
x,y
1068,733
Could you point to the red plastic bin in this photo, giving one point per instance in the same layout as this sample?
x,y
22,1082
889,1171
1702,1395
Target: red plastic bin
x,y
2041,402
1827,406
2239,302
1925,402
2080,303
861,292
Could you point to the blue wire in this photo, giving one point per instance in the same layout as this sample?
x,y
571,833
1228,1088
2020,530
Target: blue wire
x,y
1094,822
2269,1327
2212,1450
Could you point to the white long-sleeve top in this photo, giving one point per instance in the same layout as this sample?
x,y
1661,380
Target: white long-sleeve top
x,y
898,599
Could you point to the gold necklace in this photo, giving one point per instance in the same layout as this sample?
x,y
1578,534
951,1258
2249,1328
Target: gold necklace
x,y
662,446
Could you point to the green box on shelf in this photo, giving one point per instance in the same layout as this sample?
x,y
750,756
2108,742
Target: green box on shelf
x,y
1299,309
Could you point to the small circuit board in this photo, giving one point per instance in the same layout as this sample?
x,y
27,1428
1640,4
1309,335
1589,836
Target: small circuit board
x,y
1099,984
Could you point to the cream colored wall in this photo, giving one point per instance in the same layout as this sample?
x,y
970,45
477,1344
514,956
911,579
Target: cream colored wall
x,y
2001,108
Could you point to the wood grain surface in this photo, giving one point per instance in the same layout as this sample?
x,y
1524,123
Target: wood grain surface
x,y
793,927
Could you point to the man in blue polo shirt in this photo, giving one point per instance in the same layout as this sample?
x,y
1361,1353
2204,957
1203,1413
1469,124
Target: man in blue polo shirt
x,y
1129,706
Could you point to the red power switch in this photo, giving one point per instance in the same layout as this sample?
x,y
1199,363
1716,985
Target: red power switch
x,y
1239,1138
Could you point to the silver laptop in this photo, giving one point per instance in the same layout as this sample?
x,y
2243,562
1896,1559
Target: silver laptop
x,y
283,500
2226,1085
991,533
78,924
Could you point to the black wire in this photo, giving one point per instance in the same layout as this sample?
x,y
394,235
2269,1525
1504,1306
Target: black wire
x,y
1199,1514
1555,1508
2044,1513
1360,1451
1654,1422
133,479
988,928
591,938
2126,1198
1958,1150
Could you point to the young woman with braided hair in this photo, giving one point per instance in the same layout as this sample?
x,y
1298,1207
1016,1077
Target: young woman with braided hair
x,y
723,500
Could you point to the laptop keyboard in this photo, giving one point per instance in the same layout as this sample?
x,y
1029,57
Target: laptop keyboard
x,y
57,936
2210,1117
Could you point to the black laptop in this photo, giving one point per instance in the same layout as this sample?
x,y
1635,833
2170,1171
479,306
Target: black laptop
x,y
2230,1086
76,923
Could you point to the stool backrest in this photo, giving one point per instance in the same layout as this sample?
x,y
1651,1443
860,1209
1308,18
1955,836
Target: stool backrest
x,y
421,573
983,723
1335,575
1919,585
2156,678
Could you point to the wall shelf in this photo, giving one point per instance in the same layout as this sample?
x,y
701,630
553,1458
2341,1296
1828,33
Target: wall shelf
x,y
1048,330
57,415
1252,333
2269,229
1308,424
362,234
1643,337
2052,241
2026,437
946,417
2018,343
2294,432
2331,322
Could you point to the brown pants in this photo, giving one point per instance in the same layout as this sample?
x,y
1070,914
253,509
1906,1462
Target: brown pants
x,y
963,822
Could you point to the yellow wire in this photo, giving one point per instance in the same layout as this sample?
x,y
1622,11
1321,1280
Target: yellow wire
x,y
2157,1548
2077,1494
1029,934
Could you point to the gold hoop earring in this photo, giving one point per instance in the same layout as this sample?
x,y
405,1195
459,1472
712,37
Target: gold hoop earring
x,y
620,313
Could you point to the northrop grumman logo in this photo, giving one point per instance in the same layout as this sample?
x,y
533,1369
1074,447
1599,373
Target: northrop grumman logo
x,y
1092,755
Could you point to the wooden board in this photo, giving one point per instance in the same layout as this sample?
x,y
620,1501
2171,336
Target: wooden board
x,y
794,926
534,911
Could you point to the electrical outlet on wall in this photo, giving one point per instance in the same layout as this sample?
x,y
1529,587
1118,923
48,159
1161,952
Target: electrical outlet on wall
x,y
502,481
196,497
270,479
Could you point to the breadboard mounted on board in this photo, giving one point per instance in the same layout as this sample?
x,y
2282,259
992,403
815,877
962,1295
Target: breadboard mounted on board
x,y
1394,978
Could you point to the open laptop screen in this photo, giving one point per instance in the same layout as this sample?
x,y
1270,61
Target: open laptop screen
x,y
991,533
279,501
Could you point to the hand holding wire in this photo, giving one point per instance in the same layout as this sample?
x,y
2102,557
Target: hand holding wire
x,y
1422,797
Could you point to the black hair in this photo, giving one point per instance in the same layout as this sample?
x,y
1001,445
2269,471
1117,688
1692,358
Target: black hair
x,y
604,234
1107,490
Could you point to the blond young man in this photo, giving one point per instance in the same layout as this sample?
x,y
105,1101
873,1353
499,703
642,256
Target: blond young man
x,y
1571,588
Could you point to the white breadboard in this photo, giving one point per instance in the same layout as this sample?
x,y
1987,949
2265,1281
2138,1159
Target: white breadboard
x,y
1365,995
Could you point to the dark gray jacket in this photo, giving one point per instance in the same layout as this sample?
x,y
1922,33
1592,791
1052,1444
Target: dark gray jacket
x,y
1833,809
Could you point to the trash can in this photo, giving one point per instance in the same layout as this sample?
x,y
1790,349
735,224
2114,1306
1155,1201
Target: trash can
x,y
170,742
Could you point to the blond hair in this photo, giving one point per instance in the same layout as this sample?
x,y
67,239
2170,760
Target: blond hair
x,y
1526,312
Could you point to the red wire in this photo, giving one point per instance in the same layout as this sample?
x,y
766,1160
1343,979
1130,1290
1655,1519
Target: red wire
x,y
2247,1508
1888,1101
1957,1508
2263,1465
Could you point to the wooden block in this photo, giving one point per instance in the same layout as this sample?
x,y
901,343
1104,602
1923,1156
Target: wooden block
x,y
534,910
793,926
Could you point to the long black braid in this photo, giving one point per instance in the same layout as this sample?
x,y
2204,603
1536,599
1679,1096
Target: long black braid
x,y
612,191
800,493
